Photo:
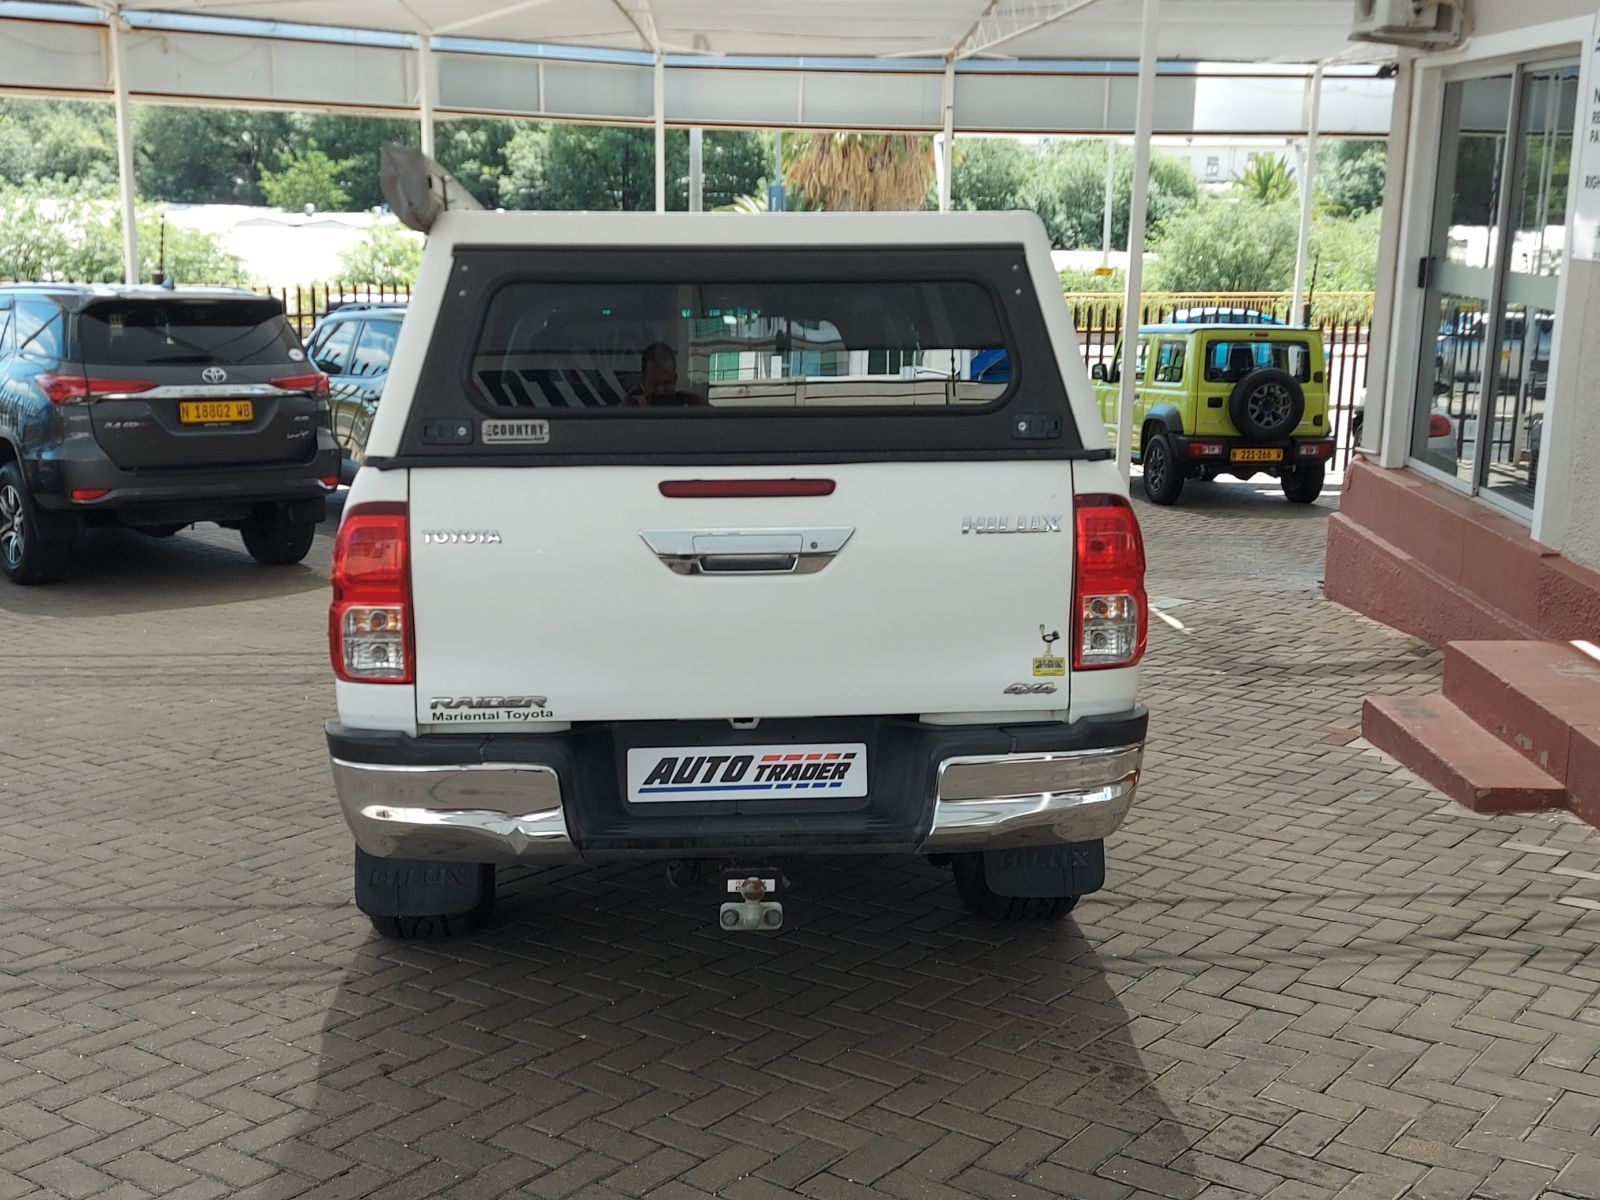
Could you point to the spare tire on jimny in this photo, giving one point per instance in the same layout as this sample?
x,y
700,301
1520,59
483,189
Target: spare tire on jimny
x,y
1267,405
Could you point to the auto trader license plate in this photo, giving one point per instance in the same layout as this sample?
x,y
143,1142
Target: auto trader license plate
x,y
687,774
1256,456
211,412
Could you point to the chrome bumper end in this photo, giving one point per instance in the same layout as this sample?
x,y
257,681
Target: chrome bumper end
x,y
1002,802
491,812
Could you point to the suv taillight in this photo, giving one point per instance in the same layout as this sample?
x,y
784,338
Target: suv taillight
x,y
369,623
75,389
1112,614
314,382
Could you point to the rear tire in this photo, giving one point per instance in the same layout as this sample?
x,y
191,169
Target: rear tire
x,y
1302,484
1163,474
980,901
276,541
28,554
418,901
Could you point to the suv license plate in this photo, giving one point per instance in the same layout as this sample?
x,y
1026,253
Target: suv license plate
x,y
1256,456
696,774
210,412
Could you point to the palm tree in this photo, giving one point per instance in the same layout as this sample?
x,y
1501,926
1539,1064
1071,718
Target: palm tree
x,y
1267,180
861,172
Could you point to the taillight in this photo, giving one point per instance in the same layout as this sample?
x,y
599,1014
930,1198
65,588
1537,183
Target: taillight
x,y
743,489
75,389
316,383
1112,614
1439,425
369,623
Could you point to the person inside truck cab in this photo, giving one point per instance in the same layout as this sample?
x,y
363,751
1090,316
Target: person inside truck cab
x,y
658,380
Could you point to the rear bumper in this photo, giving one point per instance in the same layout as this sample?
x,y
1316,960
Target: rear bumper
x,y
1202,451
554,798
195,493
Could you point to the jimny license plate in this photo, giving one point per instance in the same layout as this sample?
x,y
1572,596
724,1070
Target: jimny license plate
x,y
1256,456
688,774
213,412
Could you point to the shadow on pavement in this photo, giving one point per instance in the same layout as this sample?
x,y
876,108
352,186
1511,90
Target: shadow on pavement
x,y
603,1037
119,572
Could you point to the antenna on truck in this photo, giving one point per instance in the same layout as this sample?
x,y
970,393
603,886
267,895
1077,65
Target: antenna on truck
x,y
418,189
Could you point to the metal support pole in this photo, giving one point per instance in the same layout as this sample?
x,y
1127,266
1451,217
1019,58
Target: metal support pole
x,y
947,105
661,132
1144,126
1308,188
425,91
697,172
119,96
1111,200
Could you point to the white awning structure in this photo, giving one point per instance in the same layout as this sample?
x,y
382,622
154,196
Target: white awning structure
x,y
1218,68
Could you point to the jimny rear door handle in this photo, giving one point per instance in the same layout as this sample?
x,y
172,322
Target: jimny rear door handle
x,y
746,551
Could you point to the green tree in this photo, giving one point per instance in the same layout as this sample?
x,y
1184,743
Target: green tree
x,y
57,139
1267,180
991,173
355,144
206,155
1351,175
389,255
1068,192
474,152
305,177
610,167
48,234
734,163
1226,245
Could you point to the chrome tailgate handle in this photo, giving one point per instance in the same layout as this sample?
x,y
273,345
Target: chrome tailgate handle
x,y
746,551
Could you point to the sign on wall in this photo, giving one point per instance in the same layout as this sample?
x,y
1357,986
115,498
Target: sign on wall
x,y
1586,213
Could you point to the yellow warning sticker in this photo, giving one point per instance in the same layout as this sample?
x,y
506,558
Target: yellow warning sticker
x,y
1049,666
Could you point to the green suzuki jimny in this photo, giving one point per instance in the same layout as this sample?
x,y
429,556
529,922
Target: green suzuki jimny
x,y
1216,400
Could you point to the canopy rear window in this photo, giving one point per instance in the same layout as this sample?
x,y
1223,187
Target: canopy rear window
x,y
649,347
221,332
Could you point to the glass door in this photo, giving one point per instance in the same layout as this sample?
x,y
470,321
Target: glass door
x,y
1491,275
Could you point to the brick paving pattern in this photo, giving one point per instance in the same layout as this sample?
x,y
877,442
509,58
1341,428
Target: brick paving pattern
x,y
1310,976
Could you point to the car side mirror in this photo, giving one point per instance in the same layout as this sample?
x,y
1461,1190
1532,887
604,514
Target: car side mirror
x,y
1098,373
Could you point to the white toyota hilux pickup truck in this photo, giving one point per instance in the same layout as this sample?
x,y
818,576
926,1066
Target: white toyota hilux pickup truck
x,y
728,541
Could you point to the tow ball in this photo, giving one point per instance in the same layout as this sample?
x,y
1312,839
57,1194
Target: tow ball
x,y
751,904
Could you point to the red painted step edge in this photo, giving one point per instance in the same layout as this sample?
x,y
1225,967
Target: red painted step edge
x,y
1463,760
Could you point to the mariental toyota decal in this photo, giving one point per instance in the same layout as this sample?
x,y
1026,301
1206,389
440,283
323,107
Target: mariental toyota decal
x,y
691,773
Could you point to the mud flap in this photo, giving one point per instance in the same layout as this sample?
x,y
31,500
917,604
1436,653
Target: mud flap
x,y
403,887
1065,869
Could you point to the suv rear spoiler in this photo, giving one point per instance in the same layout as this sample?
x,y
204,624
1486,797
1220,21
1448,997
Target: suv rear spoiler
x,y
419,189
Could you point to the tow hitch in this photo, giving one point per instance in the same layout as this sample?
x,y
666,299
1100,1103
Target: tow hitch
x,y
752,901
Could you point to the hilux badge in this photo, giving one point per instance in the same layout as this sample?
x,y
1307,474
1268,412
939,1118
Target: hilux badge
x,y
1041,523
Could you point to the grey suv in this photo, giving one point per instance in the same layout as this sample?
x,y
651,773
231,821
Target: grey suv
x,y
155,408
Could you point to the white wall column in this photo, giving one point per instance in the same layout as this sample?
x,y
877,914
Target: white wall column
x,y
427,88
661,132
124,115
1144,125
697,169
1308,188
1111,200
947,106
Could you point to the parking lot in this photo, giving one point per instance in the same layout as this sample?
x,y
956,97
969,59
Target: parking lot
x,y
1309,975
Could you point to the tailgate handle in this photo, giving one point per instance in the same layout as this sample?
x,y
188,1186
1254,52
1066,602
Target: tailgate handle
x,y
746,551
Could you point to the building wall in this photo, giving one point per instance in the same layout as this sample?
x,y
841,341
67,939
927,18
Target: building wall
x,y
1569,515
1504,16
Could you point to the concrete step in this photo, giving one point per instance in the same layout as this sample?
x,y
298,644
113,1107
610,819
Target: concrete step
x,y
1529,695
1458,756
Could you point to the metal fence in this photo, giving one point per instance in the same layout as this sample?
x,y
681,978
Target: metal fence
x,y
1345,319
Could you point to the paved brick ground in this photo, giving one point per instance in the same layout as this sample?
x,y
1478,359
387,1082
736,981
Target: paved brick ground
x,y
1310,975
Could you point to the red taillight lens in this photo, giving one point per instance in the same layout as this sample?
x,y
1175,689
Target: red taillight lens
x,y
89,493
1439,425
719,489
1112,614
316,383
75,389
369,623
1205,449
